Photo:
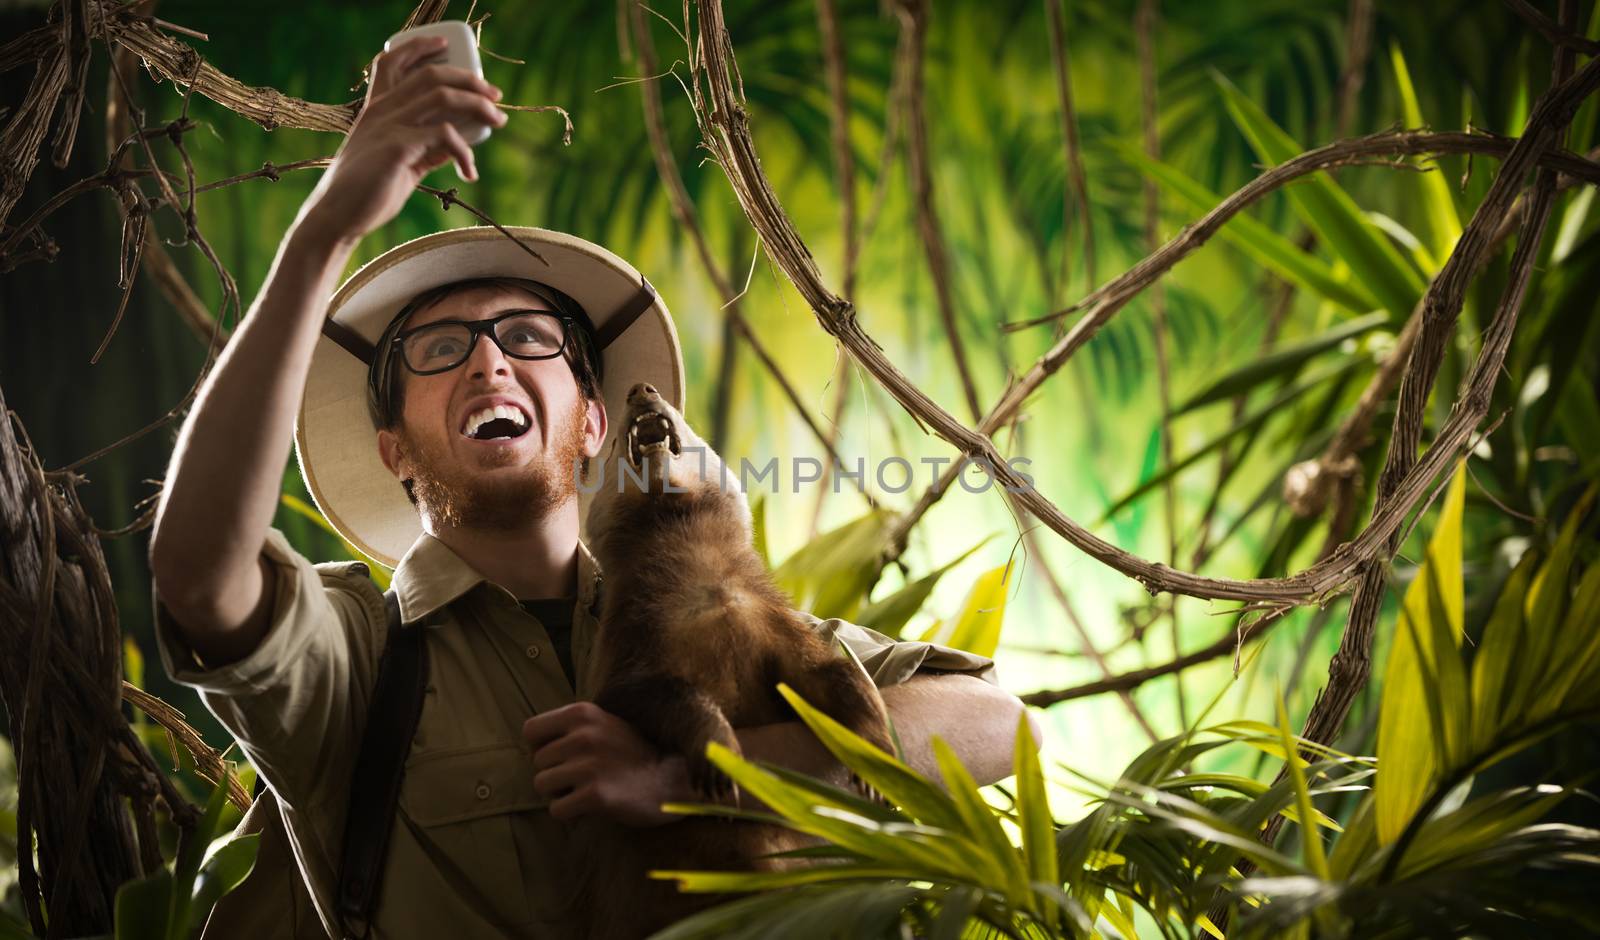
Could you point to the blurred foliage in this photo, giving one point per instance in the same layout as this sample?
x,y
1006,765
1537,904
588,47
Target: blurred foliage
x,y
1241,85
1424,853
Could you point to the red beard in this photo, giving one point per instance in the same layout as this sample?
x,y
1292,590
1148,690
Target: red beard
x,y
449,497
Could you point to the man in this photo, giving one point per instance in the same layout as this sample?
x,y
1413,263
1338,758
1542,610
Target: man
x,y
443,397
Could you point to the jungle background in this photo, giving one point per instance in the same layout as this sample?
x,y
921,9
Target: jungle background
x,y
1169,435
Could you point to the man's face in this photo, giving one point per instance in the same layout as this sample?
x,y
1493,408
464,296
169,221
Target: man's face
x,y
494,483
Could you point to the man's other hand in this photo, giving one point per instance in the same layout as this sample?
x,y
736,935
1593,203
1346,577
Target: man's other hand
x,y
588,761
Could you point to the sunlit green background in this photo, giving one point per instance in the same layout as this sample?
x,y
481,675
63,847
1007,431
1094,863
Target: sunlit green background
x,y
1093,432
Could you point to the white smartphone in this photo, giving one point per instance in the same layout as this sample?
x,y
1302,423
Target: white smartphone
x,y
461,53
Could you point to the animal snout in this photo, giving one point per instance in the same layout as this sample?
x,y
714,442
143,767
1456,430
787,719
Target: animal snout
x,y
643,392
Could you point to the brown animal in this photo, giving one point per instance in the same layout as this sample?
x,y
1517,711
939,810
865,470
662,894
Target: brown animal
x,y
694,639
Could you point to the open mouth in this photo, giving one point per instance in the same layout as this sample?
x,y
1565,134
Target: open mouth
x,y
500,423
651,433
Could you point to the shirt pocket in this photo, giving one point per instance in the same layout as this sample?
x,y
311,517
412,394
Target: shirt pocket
x,y
465,804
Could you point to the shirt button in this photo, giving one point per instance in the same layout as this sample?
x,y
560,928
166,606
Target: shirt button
x,y
532,651
483,790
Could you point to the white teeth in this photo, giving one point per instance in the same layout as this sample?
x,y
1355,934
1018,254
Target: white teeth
x,y
484,415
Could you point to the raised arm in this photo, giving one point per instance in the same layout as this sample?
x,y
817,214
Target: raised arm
x,y
227,468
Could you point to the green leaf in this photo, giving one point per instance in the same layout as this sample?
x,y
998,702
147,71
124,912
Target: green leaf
x,y
1578,415
143,906
697,882
954,913
1476,826
831,574
1391,227
901,785
977,627
890,615
1359,843
1247,424
758,528
831,795
1327,210
226,866
1495,665
872,908
132,662
1123,920
1195,820
1005,864
1422,723
856,834
380,574
13,929
1546,601
186,867
1284,360
1266,247
1033,806
1572,222
1444,223
1577,659
1310,838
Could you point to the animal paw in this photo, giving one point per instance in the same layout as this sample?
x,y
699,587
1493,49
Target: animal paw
x,y
710,782
867,790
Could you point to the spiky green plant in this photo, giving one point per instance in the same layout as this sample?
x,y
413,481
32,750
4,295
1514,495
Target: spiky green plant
x,y
1423,854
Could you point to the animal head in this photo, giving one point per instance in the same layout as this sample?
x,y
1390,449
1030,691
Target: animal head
x,y
655,456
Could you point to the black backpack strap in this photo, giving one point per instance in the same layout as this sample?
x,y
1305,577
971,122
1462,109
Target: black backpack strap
x,y
392,717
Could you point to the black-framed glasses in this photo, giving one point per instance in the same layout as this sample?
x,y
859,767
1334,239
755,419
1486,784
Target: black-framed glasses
x,y
521,334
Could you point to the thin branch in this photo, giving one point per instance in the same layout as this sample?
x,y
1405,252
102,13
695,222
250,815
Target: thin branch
x,y
230,290
1351,664
1563,38
1309,484
1357,48
1085,641
844,166
913,16
1278,312
905,59
24,132
683,210
168,58
1144,25
75,30
839,131
208,763
725,127
153,257
1103,303
566,119
1358,45
1225,645
1074,151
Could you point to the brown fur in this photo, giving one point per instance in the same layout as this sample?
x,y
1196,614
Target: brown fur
x,y
694,638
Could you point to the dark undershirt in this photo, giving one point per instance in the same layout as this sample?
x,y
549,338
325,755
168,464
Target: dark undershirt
x,y
555,615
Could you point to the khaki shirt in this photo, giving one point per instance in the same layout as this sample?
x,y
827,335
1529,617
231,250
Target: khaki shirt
x,y
473,852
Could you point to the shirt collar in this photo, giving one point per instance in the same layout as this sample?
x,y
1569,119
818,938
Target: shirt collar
x,y
431,576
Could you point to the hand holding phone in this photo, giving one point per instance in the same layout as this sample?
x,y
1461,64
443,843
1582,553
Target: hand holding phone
x,y
462,53
418,114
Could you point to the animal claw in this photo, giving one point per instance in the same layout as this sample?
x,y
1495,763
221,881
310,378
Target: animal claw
x,y
867,790
711,783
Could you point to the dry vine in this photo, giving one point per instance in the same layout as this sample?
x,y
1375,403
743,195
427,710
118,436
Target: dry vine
x,y
63,634
725,125
77,757
631,25
1407,478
